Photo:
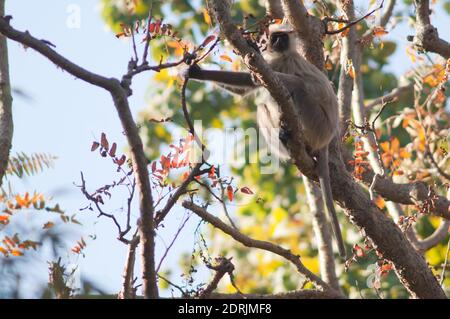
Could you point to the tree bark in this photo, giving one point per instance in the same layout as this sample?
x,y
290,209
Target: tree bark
x,y
6,120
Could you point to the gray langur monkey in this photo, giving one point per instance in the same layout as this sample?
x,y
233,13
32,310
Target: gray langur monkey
x,y
312,94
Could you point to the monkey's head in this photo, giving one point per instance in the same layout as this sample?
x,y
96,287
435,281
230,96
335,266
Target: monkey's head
x,y
281,39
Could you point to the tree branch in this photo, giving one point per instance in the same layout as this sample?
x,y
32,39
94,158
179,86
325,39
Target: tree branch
x,y
310,30
415,193
344,94
127,291
323,234
6,120
274,9
427,36
119,95
264,245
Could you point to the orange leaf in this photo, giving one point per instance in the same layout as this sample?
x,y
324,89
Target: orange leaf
x,y
379,201
4,219
230,193
48,225
379,31
226,58
16,252
3,251
351,71
212,172
385,146
395,144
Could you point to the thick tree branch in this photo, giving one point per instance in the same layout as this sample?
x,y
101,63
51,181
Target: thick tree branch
x,y
348,49
6,120
415,193
388,13
297,15
274,9
119,95
427,36
391,96
323,234
264,245
128,291
431,241
310,30
223,267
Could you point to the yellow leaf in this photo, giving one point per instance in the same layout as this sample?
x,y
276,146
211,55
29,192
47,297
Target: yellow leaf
x,y
385,146
350,69
226,58
206,17
395,144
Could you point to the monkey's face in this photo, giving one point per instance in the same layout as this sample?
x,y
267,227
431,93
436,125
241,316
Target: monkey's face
x,y
279,42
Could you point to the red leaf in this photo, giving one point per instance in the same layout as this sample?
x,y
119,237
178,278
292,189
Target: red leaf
x,y
120,161
230,193
152,27
153,167
212,172
104,142
112,152
94,146
208,40
247,190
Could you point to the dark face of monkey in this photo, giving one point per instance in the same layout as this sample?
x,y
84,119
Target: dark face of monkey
x,y
279,41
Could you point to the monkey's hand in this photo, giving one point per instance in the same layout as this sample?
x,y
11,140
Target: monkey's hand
x,y
193,71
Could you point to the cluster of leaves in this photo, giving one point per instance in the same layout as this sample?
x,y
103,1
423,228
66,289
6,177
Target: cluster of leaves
x,y
36,202
13,246
22,163
105,150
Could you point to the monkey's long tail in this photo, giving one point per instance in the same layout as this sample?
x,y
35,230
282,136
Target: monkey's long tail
x,y
324,180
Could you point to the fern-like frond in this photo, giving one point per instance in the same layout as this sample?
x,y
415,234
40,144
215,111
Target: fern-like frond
x,y
22,163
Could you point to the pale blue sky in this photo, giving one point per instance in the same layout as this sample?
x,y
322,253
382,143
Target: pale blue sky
x,y
64,115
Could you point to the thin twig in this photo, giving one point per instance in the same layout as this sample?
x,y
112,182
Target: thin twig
x,y
265,245
350,24
148,35
180,228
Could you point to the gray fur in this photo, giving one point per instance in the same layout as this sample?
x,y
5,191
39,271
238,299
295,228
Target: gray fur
x,y
316,103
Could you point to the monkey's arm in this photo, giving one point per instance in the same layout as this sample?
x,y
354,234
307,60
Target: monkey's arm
x,y
239,79
239,83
